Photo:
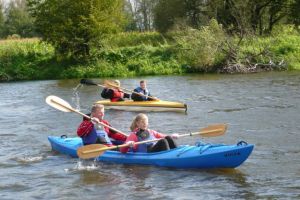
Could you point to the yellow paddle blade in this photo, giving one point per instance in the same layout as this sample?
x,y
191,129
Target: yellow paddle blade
x,y
213,130
111,84
91,151
59,103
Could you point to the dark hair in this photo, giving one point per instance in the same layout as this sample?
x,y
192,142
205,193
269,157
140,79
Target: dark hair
x,y
142,81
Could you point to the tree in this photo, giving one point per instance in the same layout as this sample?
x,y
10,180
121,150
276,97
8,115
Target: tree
x,y
1,19
18,21
237,16
167,12
73,27
256,16
193,13
295,14
142,13
130,16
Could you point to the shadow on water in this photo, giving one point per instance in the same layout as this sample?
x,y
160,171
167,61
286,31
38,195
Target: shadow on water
x,y
96,178
239,180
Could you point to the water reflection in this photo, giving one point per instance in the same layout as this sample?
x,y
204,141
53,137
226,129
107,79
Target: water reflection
x,y
97,178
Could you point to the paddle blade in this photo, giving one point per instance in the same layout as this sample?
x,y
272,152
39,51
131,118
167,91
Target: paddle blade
x,y
87,82
91,151
111,84
213,130
59,103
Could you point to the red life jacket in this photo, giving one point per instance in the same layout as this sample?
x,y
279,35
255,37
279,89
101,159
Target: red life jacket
x,y
118,94
85,128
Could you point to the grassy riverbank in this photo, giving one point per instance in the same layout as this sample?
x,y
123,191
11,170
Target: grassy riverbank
x,y
133,54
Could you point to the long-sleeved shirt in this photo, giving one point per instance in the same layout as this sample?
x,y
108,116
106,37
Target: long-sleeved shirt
x,y
134,137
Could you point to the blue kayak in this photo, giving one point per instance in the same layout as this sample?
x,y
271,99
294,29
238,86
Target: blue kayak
x,y
185,156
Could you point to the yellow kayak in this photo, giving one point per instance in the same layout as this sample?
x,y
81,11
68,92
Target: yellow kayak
x,y
131,105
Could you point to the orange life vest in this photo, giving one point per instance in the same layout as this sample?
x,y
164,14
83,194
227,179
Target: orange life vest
x,y
118,94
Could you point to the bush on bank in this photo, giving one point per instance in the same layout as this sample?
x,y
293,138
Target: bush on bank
x,y
134,54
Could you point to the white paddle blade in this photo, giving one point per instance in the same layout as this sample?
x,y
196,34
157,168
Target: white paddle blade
x,y
59,103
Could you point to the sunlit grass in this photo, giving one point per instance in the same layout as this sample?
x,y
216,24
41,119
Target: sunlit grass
x,y
129,54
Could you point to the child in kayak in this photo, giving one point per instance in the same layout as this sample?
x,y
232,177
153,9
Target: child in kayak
x,y
142,89
140,132
91,132
114,93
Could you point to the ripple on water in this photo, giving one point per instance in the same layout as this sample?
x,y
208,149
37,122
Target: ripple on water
x,y
14,187
29,159
269,115
93,172
227,110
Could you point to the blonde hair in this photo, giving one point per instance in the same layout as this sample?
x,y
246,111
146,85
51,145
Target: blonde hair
x,y
137,118
95,107
117,82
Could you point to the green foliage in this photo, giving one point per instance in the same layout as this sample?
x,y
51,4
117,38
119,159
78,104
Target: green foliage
x,y
27,59
295,14
31,59
238,16
18,21
282,46
200,49
127,61
286,45
23,59
13,37
1,20
133,38
143,60
166,12
74,27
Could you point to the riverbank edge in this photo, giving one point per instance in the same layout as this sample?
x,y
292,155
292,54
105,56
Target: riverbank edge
x,y
31,59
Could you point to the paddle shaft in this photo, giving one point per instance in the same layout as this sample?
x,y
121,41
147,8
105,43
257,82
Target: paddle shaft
x,y
200,133
118,146
88,117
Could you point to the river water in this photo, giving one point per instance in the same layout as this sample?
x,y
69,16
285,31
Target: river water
x,y
262,109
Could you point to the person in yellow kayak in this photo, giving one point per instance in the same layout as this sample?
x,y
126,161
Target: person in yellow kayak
x,y
142,89
91,132
140,132
114,93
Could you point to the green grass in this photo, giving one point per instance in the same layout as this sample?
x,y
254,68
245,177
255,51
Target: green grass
x,y
283,47
135,54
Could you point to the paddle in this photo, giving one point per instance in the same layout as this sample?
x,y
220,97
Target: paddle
x,y
64,106
90,82
95,150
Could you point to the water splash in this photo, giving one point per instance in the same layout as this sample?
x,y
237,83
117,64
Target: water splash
x,y
29,159
76,98
82,165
